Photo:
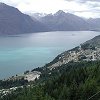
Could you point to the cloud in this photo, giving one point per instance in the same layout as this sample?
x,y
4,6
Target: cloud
x,y
83,1
90,0
91,8
85,8
46,6
14,2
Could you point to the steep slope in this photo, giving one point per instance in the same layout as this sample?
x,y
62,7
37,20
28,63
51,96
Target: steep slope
x,y
62,21
88,51
94,23
12,21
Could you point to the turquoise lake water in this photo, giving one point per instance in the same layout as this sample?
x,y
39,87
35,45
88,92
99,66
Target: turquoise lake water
x,y
19,53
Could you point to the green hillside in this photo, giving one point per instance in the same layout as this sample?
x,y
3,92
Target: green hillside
x,y
73,81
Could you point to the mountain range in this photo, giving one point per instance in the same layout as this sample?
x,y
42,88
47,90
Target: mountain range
x,y
12,21
62,21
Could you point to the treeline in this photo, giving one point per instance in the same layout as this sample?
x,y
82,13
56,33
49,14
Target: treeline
x,y
5,84
74,81
76,84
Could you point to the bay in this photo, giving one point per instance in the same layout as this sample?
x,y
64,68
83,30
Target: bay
x,y
19,53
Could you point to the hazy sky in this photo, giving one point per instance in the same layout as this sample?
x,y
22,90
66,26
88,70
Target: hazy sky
x,y
85,8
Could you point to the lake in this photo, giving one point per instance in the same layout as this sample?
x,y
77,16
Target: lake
x,y
19,53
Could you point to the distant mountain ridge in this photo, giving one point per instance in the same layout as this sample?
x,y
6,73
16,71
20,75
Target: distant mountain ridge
x,y
62,21
12,21
94,23
37,15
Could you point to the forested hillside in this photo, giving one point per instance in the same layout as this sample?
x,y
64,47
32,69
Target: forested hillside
x,y
72,81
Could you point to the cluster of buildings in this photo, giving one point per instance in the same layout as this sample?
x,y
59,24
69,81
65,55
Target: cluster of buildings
x,y
4,92
77,55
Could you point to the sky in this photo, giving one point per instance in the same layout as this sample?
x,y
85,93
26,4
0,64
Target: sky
x,y
83,8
